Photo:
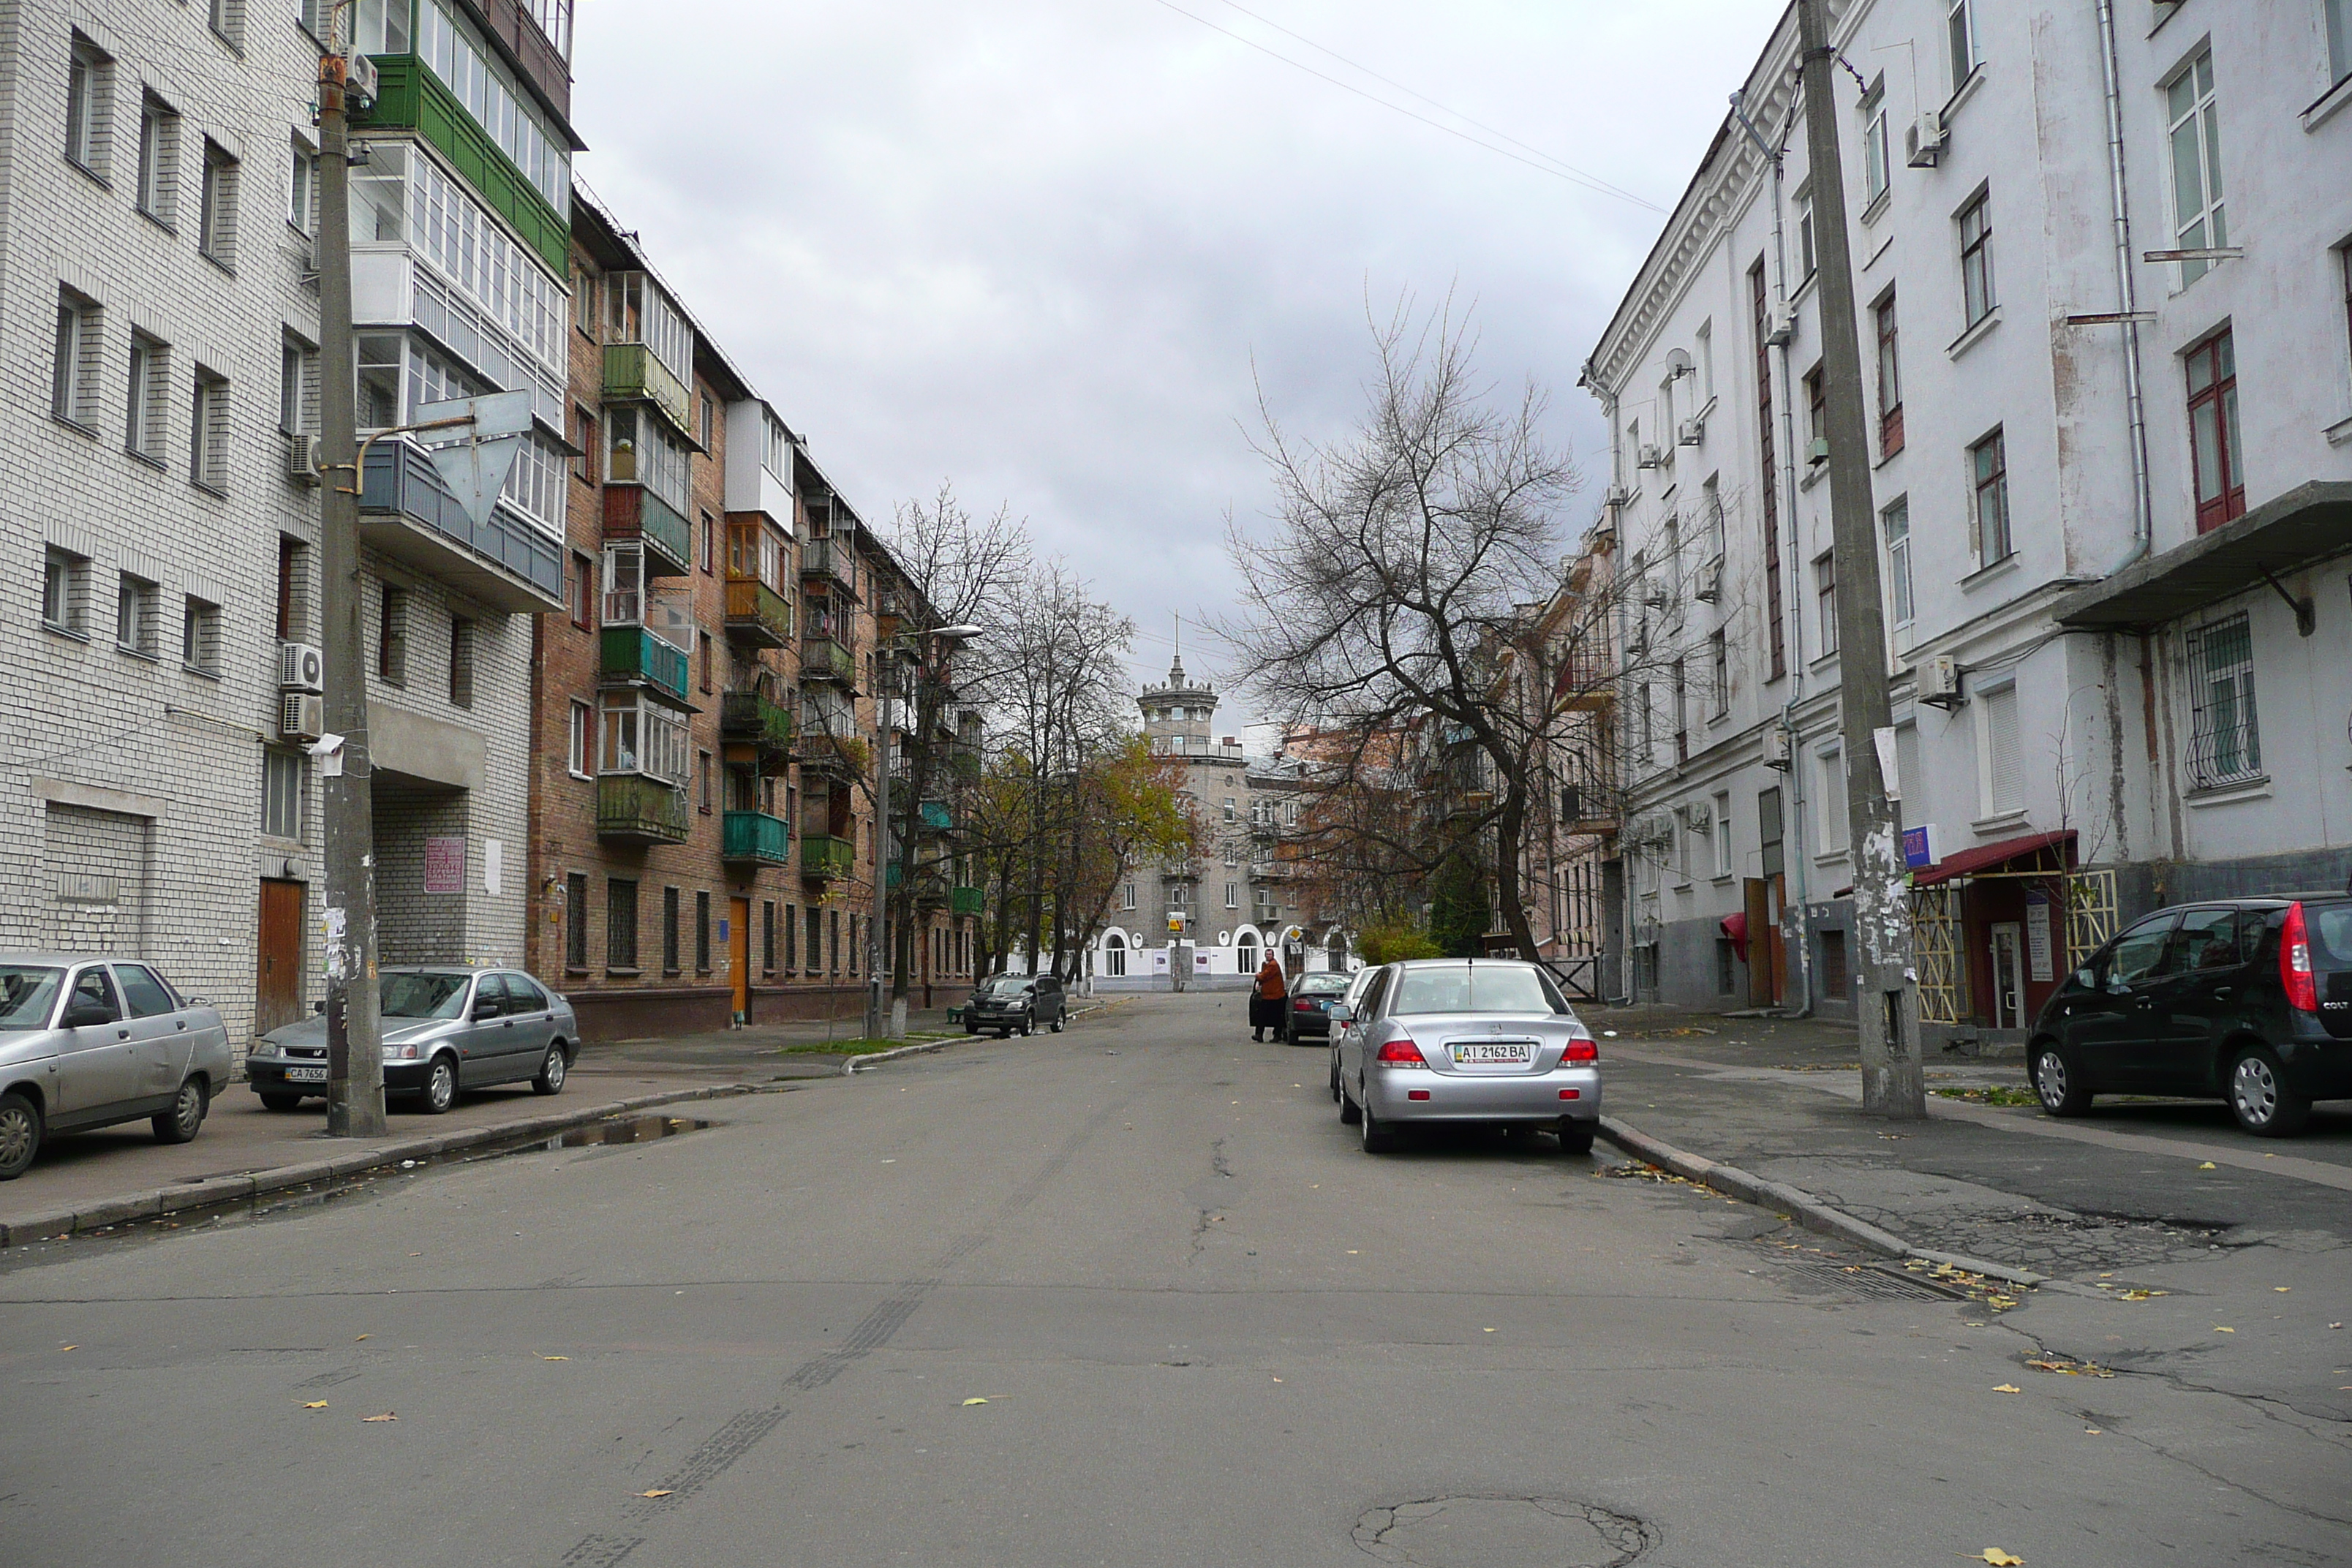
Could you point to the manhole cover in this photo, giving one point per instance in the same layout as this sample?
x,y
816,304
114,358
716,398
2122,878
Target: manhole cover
x,y
1502,1532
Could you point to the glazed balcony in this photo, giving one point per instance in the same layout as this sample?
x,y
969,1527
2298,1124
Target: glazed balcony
x,y
825,857
634,656
749,717
757,615
632,808
828,658
753,838
632,511
832,563
634,373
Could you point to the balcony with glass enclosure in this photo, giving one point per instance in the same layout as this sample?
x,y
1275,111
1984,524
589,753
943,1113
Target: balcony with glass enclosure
x,y
647,629
641,764
759,465
758,614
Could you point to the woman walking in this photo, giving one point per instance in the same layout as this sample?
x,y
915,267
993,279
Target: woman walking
x,y
1267,999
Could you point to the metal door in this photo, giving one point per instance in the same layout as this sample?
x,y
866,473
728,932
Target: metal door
x,y
98,1066
278,978
2008,975
739,955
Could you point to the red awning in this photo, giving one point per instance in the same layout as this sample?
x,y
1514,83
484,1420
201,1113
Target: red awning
x,y
1988,856
1735,926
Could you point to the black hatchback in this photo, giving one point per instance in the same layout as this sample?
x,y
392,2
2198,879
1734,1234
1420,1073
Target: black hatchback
x,y
2247,1001
1007,1002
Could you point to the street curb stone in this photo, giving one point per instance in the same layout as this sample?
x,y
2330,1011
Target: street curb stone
x,y
58,1223
1803,1206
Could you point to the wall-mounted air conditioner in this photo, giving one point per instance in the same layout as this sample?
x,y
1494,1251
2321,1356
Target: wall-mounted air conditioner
x,y
1925,140
1939,682
301,716
1651,456
1780,326
1708,586
1618,496
1776,747
300,667
359,75
302,457
1691,431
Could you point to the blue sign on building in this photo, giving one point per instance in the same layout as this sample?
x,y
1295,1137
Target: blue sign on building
x,y
1919,847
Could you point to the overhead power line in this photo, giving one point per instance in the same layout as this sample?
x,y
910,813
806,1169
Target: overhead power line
x,y
1551,166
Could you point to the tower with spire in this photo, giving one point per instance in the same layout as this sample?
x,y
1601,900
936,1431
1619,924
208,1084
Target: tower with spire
x,y
1177,716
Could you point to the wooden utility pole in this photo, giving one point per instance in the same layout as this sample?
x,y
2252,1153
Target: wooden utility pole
x,y
1886,1006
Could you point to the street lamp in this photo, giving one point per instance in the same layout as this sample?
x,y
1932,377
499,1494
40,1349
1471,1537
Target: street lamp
x,y
963,632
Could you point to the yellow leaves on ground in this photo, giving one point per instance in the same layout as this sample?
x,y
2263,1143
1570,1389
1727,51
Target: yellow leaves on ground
x,y
658,1491
387,1415
2219,1330
555,1358
2071,1368
62,1349
316,1404
362,1337
2208,1165
1996,1556
2007,1388
975,1401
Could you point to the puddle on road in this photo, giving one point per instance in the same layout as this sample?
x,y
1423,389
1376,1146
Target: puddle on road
x,y
620,1130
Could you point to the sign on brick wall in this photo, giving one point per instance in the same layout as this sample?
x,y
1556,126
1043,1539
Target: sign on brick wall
x,y
445,865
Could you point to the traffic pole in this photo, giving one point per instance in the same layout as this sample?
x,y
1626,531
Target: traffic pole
x,y
354,1039
1894,1077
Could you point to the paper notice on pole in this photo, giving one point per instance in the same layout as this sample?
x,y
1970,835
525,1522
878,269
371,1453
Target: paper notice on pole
x,y
1883,739
2040,947
445,865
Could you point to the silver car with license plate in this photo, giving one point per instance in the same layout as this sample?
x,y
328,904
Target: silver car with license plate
x,y
1464,1042
445,1027
89,1042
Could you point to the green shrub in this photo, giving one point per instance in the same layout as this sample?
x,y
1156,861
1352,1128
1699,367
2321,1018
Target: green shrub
x,y
1393,942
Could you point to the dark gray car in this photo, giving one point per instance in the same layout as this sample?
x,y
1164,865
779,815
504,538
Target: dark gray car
x,y
1007,1002
446,1028
88,1042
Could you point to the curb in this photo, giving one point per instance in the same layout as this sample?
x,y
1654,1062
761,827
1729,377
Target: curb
x,y
856,1065
147,1204
1801,1206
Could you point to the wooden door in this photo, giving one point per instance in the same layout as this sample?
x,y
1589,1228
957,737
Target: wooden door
x,y
1758,910
1775,942
738,955
278,979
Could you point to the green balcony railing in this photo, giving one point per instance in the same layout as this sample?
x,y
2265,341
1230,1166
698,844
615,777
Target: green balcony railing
x,y
632,808
755,837
826,658
632,653
967,901
748,716
633,374
824,857
935,815
632,511
757,615
408,95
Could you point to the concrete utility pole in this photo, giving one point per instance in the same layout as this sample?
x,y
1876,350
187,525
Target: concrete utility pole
x,y
1886,1004
886,669
354,1040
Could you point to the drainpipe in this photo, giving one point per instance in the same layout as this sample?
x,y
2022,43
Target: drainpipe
x,y
1629,992
2127,294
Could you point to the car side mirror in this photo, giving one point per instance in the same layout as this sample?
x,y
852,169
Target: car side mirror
x,y
1340,1013
84,1015
485,1010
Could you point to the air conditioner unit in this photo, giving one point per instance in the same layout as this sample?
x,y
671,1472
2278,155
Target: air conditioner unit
x,y
1618,496
1776,747
359,75
301,716
1708,587
1939,682
1691,431
302,458
1924,141
300,667
1698,816
1782,325
1651,456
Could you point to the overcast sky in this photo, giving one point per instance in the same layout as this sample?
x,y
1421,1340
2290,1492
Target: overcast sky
x,y
1041,247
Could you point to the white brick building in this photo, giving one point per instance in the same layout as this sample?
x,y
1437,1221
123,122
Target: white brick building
x,y
2099,480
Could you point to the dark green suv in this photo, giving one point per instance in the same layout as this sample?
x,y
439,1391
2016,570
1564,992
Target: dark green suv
x,y
2247,1001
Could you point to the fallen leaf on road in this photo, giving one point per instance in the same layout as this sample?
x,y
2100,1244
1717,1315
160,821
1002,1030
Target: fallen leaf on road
x,y
387,1415
316,1404
2281,1289
555,1358
2093,1431
2331,1325
975,1401
2208,1165
1486,1330
362,1337
1997,1557
2072,1369
2219,1330
658,1491
416,1255
2007,1388
64,1348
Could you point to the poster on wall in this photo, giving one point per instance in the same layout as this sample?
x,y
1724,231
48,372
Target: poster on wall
x,y
445,865
2039,946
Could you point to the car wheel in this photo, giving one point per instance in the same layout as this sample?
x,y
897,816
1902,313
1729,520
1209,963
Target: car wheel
x,y
1335,1080
971,1029
2057,1084
1028,1025
1379,1137
1349,1110
180,1123
1576,1137
552,1072
281,1101
440,1086
2260,1097
20,1135
1057,1025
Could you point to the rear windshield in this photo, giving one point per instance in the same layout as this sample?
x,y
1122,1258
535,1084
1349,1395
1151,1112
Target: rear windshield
x,y
1476,988
26,995
1006,985
2330,926
1324,985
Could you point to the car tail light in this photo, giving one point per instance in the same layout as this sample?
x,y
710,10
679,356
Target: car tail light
x,y
2294,963
1582,1048
1402,1052
1302,1005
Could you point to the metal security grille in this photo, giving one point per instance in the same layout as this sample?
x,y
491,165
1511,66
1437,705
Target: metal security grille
x,y
2226,742
1936,948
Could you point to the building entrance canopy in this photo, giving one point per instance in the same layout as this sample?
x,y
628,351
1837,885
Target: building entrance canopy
x,y
1999,857
2308,523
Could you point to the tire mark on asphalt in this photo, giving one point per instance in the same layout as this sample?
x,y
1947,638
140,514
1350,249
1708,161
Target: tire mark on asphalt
x,y
743,1432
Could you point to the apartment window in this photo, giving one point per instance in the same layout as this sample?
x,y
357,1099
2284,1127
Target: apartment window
x,y
216,219
1895,527
1233,895
1817,415
74,367
1229,808
1804,238
1825,596
1890,380
767,936
2339,41
702,932
702,778
582,591
707,433
294,366
159,143
709,547
90,92
134,615
575,920
1126,895
228,19
669,931
1723,836
290,586
1776,634
1976,297
143,398
1874,162
1719,657
2200,221
461,661
580,740
1960,30
621,925
1989,475
2226,744
65,590
208,431
702,646
2001,785
832,942
282,781
200,621
1832,834
1682,713
2213,444
584,436
392,637
814,959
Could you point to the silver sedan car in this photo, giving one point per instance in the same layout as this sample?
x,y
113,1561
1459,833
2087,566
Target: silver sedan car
x,y
88,1042
1464,1042
446,1028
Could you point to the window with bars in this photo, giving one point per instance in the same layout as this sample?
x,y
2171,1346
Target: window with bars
x,y
621,924
2213,446
2226,742
767,937
702,932
669,931
2201,220
575,920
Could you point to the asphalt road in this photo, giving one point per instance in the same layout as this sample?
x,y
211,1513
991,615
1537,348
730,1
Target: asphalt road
x,y
1208,1331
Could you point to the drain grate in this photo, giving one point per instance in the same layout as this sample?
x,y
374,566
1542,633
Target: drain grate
x,y
1870,1282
